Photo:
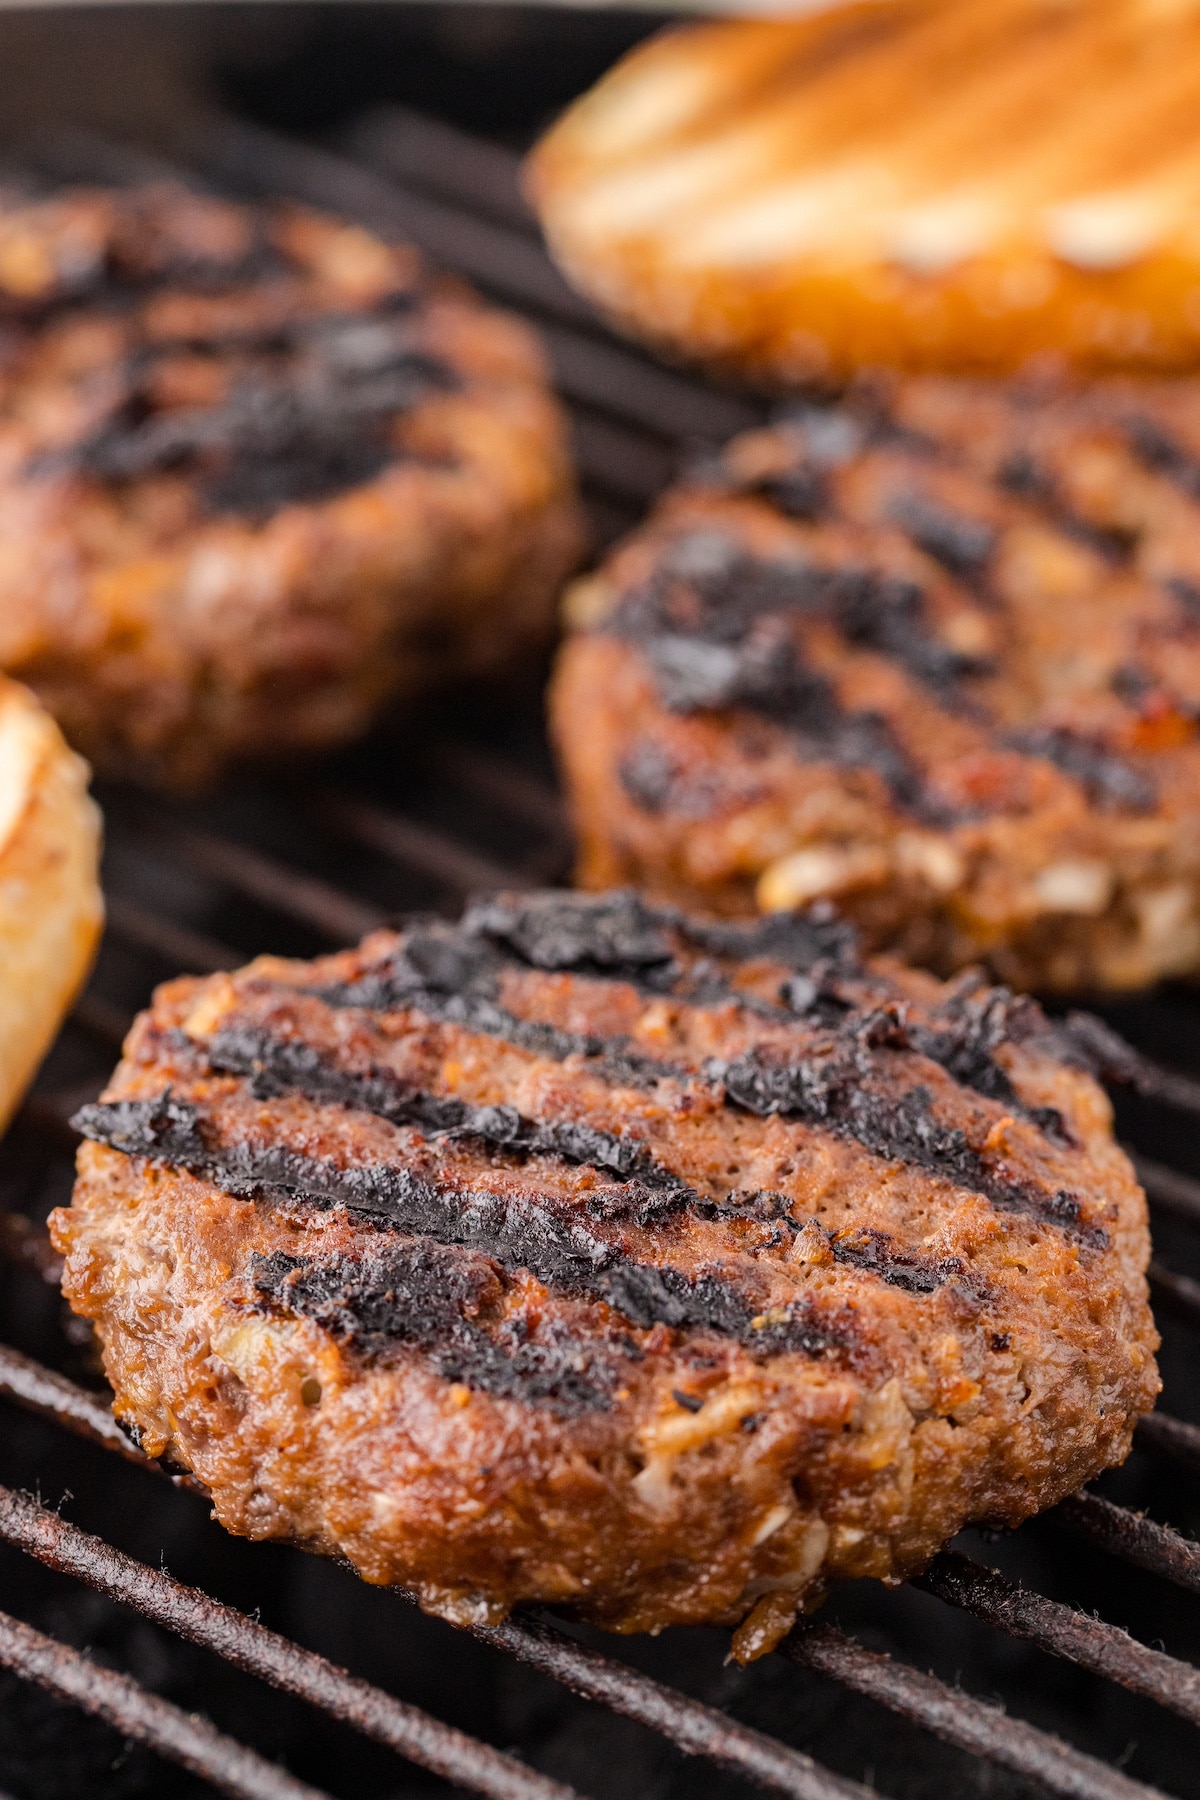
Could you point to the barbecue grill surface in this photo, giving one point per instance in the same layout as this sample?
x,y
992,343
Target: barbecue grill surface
x,y
457,799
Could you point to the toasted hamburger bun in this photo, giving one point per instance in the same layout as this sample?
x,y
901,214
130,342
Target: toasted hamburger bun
x,y
951,184
50,905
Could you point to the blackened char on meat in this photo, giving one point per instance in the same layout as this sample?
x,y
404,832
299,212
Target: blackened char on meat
x,y
462,1197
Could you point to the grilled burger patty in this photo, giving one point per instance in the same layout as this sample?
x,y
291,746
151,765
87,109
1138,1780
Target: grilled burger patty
x,y
586,1253
258,475
935,653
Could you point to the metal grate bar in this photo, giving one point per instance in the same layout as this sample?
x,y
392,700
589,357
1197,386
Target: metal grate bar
x,y
1061,1631
499,783
250,1647
440,159
1162,1435
697,1729
42,1391
959,1719
1135,1538
182,948
101,1020
416,846
1174,1193
183,1737
272,884
1175,1293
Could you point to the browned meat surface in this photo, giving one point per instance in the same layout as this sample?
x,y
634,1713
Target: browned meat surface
x,y
258,477
933,653
580,1253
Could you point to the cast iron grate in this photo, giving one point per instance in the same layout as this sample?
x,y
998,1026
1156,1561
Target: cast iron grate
x,y
464,799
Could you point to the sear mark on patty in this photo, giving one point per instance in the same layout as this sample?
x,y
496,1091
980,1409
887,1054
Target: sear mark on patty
x,y
715,626
515,1231
275,1064
839,1090
962,1036
875,1252
422,1294
1109,781
961,544
283,432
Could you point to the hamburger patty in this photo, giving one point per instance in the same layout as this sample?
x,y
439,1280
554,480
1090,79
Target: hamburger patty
x,y
934,653
259,475
581,1252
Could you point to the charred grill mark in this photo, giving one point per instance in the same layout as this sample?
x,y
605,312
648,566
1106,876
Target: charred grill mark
x,y
515,1232
1154,446
840,1092
1111,784
961,544
874,1252
307,420
275,1064
715,626
709,1302
422,1295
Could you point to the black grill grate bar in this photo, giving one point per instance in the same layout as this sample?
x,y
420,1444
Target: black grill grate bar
x,y
444,161
183,1737
255,1650
1059,1630
699,1730
1161,1435
1177,1294
175,944
430,852
1129,1535
502,784
960,1719
1172,1192
272,884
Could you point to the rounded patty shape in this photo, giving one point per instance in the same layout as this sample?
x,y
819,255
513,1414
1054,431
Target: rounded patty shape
x,y
583,1253
259,476
934,653
924,184
51,910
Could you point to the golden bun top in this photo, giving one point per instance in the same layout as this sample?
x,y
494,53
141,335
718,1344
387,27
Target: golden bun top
x,y
51,910
955,184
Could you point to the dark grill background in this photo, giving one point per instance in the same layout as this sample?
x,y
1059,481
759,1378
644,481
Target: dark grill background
x,y
458,796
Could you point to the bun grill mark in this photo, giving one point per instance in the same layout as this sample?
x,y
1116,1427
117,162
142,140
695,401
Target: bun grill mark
x,y
516,1232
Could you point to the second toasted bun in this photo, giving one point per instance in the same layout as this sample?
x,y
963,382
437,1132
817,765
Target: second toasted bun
x,y
953,184
50,905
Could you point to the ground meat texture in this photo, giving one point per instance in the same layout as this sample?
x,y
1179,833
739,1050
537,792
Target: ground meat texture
x,y
933,652
584,1253
260,475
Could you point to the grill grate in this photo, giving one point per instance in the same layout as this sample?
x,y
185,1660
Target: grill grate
x,y
473,807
